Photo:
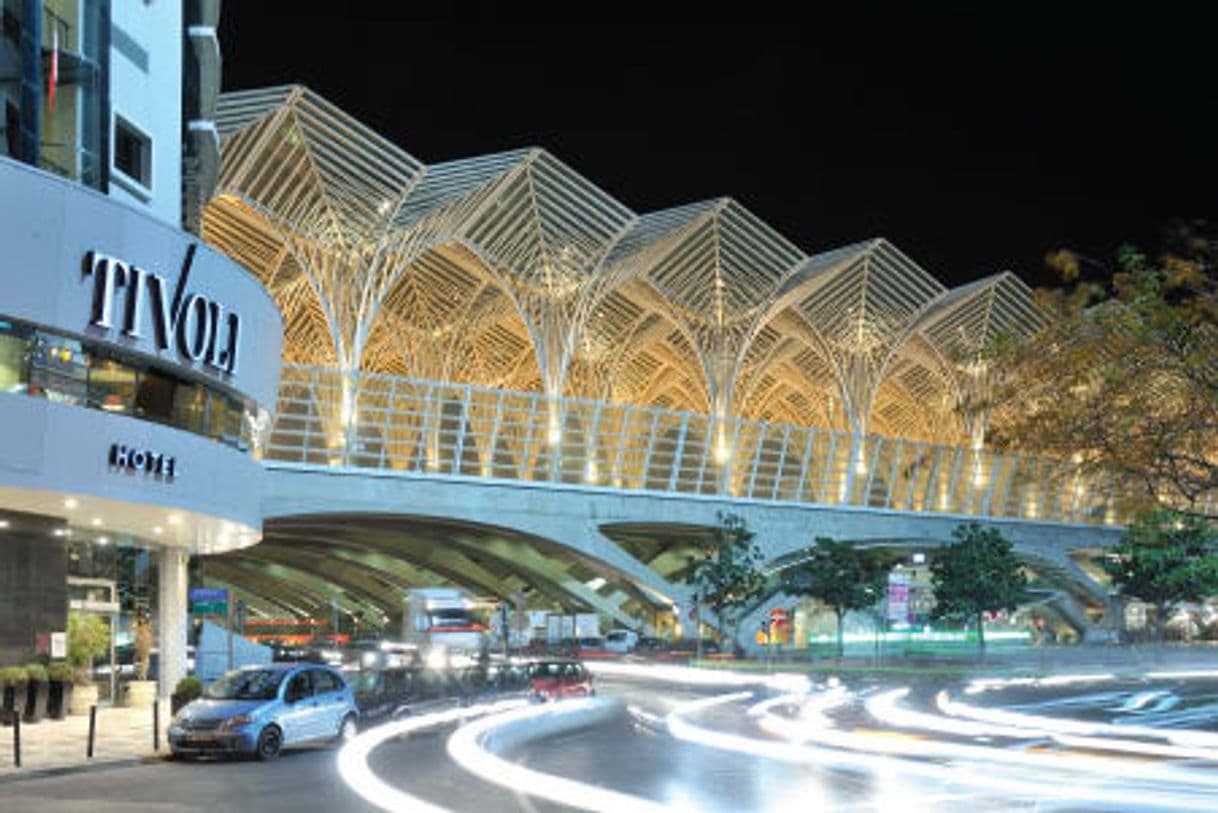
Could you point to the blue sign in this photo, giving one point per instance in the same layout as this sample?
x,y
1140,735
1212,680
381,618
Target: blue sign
x,y
208,594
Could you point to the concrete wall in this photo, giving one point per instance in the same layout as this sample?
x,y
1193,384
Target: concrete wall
x,y
146,90
53,449
572,515
48,225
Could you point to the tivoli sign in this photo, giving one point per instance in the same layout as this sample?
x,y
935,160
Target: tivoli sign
x,y
198,327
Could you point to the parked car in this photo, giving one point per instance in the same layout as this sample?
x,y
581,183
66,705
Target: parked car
x,y
621,641
648,644
383,694
261,709
556,679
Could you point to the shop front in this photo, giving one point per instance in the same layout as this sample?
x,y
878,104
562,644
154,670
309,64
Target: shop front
x,y
136,370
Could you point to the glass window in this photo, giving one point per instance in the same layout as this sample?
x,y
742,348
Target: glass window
x,y
300,687
225,419
112,385
190,407
324,681
59,369
132,152
246,684
15,343
154,396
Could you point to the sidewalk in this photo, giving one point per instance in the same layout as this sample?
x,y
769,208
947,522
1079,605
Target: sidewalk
x,y
122,735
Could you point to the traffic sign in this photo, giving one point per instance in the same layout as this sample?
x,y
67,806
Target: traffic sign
x,y
208,601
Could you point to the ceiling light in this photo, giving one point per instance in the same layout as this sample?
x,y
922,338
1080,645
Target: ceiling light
x,y
174,519
95,522
60,532
4,523
103,540
158,530
70,503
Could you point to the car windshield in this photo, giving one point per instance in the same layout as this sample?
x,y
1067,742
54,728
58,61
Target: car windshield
x,y
253,684
548,670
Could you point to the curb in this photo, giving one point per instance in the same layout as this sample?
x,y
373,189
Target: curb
x,y
28,774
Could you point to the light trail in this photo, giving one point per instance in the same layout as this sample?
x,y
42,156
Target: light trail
x,y
884,708
1059,780
465,746
990,684
353,758
1084,728
696,676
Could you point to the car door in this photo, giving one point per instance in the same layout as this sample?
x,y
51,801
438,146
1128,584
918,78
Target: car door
x,y
297,713
328,697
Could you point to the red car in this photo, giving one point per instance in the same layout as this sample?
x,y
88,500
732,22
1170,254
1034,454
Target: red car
x,y
555,679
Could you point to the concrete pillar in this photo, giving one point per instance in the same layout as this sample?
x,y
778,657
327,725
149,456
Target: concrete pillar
x,y
172,615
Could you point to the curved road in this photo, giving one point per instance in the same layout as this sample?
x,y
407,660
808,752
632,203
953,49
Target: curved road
x,y
1104,744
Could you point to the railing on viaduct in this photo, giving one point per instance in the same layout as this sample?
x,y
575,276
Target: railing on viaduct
x,y
382,422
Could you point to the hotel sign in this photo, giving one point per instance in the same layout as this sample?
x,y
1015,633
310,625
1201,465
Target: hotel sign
x,y
134,459
200,329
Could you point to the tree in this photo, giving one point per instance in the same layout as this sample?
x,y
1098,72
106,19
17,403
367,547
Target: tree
x,y
727,575
976,574
1164,558
143,641
840,575
1123,379
88,638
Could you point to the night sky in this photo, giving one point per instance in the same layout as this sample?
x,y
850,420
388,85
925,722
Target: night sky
x,y
975,143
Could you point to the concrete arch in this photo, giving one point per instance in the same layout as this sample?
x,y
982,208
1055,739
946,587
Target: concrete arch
x,y
538,523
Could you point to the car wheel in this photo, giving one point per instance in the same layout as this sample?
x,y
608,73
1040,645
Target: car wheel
x,y
270,741
347,729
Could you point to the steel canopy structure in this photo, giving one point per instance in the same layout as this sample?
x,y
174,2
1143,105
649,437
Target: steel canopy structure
x,y
503,319
514,271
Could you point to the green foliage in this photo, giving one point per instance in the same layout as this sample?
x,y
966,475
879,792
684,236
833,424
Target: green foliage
x,y
60,672
1164,558
189,687
840,575
36,673
13,676
727,576
976,574
1123,379
88,638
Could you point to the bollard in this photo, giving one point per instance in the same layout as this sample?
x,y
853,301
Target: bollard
x,y
156,725
92,731
16,738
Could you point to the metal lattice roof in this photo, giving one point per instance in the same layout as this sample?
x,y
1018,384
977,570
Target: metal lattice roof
x,y
513,270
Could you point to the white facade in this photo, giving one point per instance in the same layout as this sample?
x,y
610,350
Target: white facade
x,y
146,93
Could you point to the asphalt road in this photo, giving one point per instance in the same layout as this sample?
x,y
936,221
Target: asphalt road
x,y
633,755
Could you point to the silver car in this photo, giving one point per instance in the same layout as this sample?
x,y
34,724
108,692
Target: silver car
x,y
259,710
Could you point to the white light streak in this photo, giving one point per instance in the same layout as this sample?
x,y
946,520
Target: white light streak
x,y
466,748
353,758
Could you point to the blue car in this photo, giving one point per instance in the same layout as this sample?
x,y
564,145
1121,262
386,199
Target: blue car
x,y
261,709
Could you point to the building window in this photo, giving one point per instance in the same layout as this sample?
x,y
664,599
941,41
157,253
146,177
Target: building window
x,y
132,152
45,365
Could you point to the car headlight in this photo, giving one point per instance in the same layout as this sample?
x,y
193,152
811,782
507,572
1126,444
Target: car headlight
x,y
235,722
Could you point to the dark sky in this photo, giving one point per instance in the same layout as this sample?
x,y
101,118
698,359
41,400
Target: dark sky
x,y
974,143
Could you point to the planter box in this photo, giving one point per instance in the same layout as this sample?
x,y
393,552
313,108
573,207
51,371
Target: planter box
x,y
36,693
83,697
13,700
139,694
59,697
